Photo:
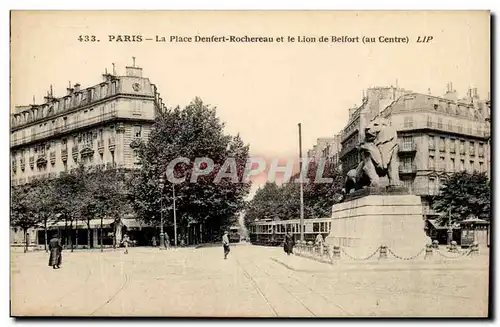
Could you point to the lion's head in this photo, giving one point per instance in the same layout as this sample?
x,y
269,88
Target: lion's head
x,y
380,131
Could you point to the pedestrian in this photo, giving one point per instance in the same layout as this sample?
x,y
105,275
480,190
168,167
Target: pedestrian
x,y
153,241
319,243
225,244
167,241
126,242
55,249
289,243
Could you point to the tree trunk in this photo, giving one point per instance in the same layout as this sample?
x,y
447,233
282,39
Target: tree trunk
x,y
71,234
102,248
25,231
88,234
45,231
76,233
117,234
66,230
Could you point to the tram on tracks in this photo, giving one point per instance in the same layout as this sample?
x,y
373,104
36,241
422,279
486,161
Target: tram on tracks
x,y
234,234
270,232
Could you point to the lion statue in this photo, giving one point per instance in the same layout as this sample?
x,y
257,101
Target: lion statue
x,y
379,151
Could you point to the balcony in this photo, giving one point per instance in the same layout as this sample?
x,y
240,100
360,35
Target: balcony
x,y
462,150
111,144
64,154
407,169
100,146
23,164
472,152
432,146
62,129
41,160
53,157
456,129
407,147
453,149
74,152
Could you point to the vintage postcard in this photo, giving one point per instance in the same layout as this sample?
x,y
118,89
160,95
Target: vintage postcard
x,y
250,163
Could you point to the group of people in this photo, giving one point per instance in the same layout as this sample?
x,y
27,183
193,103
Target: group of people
x,y
55,248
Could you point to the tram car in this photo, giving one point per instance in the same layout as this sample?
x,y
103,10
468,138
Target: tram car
x,y
234,234
269,232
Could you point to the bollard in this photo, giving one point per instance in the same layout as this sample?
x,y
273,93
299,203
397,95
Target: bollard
x,y
474,249
435,244
336,251
428,250
310,247
383,252
453,247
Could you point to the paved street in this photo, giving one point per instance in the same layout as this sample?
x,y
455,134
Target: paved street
x,y
254,281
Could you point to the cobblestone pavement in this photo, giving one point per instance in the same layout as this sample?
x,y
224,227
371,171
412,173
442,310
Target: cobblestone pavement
x,y
254,281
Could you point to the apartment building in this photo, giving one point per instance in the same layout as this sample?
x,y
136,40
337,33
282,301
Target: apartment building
x,y
97,125
439,135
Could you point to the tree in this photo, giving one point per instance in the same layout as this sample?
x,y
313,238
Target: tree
x,y
464,194
21,211
192,132
109,194
41,193
265,204
321,196
71,197
283,202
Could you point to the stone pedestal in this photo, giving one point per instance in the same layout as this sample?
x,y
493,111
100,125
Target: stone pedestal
x,y
362,224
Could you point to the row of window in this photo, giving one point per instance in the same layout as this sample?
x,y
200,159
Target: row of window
x,y
85,138
460,128
78,119
75,99
448,107
453,165
450,145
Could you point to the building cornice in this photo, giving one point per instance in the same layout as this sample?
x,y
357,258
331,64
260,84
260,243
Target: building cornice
x,y
81,107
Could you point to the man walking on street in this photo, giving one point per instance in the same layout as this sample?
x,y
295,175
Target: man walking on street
x,y
225,244
126,242
289,243
55,249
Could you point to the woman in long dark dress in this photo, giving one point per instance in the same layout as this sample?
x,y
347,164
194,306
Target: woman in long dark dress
x,y
289,243
55,249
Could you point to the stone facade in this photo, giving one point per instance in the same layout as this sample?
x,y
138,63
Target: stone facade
x,y
437,135
97,125
326,147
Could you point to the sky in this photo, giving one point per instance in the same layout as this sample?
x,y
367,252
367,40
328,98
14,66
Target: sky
x,y
261,90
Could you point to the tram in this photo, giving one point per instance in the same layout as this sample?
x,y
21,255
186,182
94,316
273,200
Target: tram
x,y
270,232
234,234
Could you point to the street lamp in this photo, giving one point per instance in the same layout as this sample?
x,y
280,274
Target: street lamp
x,y
162,235
175,215
450,229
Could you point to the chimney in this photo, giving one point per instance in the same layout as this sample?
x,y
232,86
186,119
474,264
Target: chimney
x,y
69,89
133,71
77,87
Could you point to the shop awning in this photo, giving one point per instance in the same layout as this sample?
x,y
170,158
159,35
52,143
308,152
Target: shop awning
x,y
436,225
96,223
475,221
